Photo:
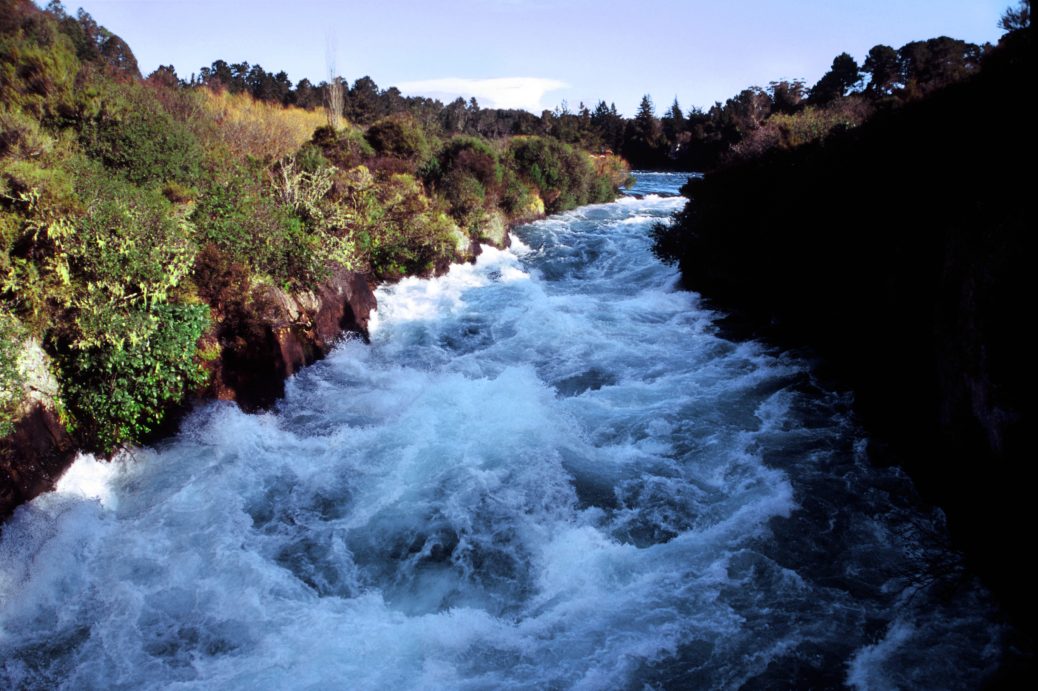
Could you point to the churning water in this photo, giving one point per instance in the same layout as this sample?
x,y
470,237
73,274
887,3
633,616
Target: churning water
x,y
547,470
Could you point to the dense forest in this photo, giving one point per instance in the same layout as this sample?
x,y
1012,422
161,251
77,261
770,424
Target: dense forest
x,y
908,267
149,228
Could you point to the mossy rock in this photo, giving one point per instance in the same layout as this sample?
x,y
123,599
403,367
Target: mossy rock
x,y
494,230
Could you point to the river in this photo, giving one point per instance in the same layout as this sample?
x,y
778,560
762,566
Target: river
x,y
547,470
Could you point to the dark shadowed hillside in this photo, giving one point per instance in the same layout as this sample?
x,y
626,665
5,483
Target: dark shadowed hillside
x,y
903,253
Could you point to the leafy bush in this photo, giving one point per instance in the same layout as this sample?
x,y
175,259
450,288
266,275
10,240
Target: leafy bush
x,y
400,136
345,148
118,393
307,193
564,176
611,173
473,156
127,252
466,196
396,226
134,134
37,201
96,263
21,135
468,175
38,67
238,214
519,199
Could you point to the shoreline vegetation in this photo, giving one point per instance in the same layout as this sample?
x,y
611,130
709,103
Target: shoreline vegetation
x,y
164,241
902,253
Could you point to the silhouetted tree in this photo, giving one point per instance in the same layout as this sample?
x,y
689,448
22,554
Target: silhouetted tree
x,y
644,144
673,122
936,62
454,116
747,111
835,83
884,70
363,106
787,96
216,76
1020,18
645,118
608,125
165,76
307,95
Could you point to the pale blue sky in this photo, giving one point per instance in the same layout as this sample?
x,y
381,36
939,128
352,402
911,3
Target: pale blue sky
x,y
537,53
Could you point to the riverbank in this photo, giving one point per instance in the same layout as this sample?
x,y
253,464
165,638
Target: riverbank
x,y
903,254
259,349
164,240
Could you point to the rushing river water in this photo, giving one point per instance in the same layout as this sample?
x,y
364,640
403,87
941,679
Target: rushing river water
x,y
547,470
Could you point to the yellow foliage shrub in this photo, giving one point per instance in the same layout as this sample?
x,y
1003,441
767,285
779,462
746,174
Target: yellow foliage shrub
x,y
262,130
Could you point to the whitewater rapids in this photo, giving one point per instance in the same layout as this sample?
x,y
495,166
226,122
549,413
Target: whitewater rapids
x,y
547,470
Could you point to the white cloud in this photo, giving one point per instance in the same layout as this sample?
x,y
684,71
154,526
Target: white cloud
x,y
500,92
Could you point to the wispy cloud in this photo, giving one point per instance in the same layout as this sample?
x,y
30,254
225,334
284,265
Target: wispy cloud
x,y
500,92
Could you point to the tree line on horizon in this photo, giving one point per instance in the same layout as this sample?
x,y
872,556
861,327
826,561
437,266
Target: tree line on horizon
x,y
785,114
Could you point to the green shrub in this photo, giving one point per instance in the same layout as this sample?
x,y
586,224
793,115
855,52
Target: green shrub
x,y
238,214
98,262
37,201
21,135
307,192
128,251
401,136
468,176
564,176
466,196
611,173
311,159
397,228
38,68
345,148
118,393
519,199
473,156
134,133
544,163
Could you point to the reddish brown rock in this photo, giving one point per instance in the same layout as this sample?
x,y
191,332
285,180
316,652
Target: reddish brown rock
x,y
280,334
261,345
33,458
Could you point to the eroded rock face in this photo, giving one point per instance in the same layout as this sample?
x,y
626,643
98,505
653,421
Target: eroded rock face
x,y
33,458
260,347
283,333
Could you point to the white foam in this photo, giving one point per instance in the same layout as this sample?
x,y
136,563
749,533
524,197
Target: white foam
x,y
546,471
91,478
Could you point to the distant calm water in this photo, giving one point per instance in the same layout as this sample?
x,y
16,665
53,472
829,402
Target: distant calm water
x,y
546,471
